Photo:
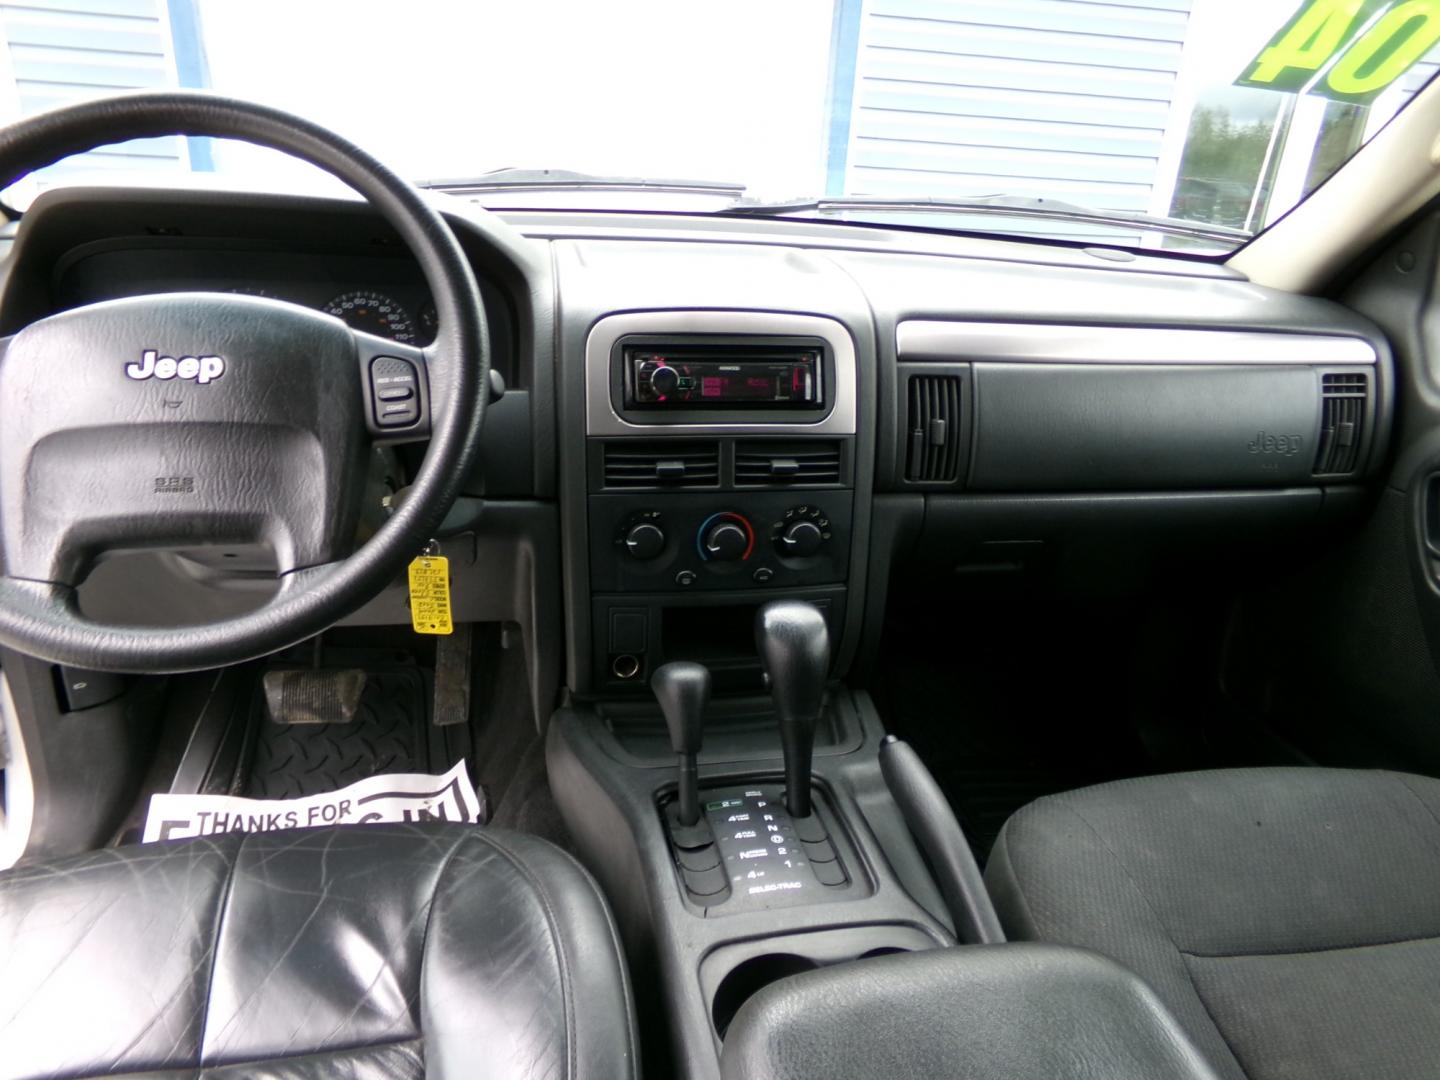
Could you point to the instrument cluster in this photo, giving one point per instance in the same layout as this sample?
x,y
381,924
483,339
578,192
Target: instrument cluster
x,y
381,295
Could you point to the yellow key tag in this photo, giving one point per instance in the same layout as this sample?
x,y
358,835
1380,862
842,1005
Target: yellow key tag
x,y
430,595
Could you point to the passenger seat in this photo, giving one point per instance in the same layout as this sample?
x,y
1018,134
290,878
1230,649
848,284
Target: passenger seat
x,y
1289,918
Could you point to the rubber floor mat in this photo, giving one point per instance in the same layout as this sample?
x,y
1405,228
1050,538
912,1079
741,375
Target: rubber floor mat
x,y
1022,697
390,734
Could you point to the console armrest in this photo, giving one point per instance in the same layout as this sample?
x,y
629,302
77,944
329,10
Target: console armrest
x,y
1016,1011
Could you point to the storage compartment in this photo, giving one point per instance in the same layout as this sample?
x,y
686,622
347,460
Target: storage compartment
x,y
636,634
732,974
725,632
1091,427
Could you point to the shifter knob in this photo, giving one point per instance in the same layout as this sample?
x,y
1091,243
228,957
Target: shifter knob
x,y
683,690
794,646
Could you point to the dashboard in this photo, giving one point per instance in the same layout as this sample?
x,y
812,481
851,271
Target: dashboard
x,y
702,413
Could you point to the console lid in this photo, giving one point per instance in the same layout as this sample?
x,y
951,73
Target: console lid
x,y
1016,1011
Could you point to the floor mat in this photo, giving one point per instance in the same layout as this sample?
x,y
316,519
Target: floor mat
x,y
1022,697
1012,692
225,743
390,734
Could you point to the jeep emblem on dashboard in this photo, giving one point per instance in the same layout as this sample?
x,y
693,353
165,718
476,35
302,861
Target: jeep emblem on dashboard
x,y
1285,445
202,369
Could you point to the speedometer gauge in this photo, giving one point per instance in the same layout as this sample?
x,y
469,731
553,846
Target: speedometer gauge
x,y
374,313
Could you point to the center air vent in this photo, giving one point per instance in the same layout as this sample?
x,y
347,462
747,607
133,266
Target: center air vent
x,y
797,463
662,463
933,429
1344,395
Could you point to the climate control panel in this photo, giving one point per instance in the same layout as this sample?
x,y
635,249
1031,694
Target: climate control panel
x,y
688,541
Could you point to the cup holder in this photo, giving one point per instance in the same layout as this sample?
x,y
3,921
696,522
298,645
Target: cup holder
x,y
735,972
749,978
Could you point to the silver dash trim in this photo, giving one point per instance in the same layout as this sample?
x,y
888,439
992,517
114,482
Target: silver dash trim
x,y
602,419
958,342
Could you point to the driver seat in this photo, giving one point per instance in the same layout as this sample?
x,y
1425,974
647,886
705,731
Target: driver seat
x,y
375,950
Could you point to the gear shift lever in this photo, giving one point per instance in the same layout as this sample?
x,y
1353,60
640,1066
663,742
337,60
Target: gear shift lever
x,y
794,646
683,690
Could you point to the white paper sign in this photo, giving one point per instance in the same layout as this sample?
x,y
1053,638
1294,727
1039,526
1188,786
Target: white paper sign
x,y
396,797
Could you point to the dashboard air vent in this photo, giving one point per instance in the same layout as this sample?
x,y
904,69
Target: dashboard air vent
x,y
788,464
1342,418
663,463
934,429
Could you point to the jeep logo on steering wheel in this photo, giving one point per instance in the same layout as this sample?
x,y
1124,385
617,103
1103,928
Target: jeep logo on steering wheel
x,y
152,365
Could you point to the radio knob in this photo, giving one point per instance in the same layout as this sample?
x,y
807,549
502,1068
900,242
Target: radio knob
x,y
801,538
644,541
664,380
726,541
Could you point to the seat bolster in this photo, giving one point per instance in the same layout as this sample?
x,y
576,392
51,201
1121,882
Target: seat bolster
x,y
549,992
1054,879
104,957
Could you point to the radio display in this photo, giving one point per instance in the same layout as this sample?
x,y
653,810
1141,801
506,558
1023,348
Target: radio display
x,y
663,380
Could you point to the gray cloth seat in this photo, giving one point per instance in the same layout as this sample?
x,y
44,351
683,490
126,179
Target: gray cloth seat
x,y
1289,918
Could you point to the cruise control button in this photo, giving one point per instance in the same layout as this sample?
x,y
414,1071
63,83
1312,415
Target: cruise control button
x,y
396,414
394,382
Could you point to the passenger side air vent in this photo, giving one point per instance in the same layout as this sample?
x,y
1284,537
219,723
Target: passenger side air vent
x,y
1344,396
788,464
663,463
934,419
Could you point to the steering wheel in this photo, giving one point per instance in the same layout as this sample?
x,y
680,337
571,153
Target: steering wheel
x,y
205,418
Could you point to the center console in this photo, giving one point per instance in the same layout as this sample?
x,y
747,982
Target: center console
x,y
716,774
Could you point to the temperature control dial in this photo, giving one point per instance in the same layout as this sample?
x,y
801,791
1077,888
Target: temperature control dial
x,y
802,532
725,537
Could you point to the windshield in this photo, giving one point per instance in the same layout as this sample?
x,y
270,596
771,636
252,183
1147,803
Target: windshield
x,y
1167,124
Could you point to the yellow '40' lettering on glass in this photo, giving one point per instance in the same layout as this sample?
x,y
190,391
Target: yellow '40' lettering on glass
x,y
1346,49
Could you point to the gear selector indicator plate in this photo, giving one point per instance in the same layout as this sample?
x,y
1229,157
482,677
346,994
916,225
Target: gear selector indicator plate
x,y
769,859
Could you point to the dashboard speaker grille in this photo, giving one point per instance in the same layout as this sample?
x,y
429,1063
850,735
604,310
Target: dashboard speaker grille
x,y
787,464
933,455
1344,396
664,463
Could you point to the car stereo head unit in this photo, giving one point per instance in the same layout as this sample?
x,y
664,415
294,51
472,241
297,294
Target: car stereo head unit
x,y
723,372
683,378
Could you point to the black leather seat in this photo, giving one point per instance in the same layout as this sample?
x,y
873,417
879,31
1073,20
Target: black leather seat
x,y
1289,918
379,950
